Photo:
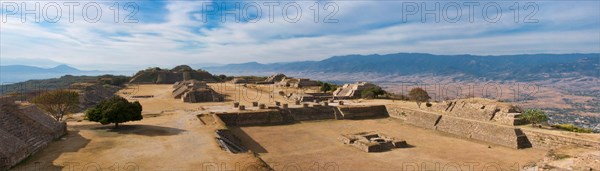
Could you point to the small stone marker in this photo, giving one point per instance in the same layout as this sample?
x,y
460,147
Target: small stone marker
x,y
254,104
304,104
242,107
297,102
277,103
325,104
236,104
284,106
262,106
341,102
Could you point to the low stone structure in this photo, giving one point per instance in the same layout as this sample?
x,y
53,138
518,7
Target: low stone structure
x,y
360,112
544,140
275,78
372,142
480,109
350,91
489,131
239,81
311,97
229,142
202,95
193,91
297,82
24,130
285,115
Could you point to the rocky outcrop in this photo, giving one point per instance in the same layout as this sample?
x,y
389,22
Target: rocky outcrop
x,y
24,130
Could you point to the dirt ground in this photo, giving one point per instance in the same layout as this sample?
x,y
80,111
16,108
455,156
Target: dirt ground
x,y
315,144
171,137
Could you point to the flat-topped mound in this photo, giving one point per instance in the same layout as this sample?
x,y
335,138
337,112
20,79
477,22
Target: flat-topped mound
x,y
479,109
165,76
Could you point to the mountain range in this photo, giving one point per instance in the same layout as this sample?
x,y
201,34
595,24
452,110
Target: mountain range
x,y
525,67
18,73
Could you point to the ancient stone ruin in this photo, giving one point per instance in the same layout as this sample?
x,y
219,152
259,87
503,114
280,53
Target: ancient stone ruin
x,y
276,115
24,130
310,97
372,142
229,142
165,76
91,94
193,91
352,91
239,81
274,78
479,119
297,82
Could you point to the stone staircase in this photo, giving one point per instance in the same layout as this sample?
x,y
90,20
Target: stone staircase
x,y
24,132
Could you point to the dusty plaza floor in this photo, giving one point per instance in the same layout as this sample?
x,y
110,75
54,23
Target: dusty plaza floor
x,y
170,137
311,144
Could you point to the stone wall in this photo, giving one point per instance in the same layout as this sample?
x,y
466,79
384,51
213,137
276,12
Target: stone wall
x,y
493,133
249,118
479,109
359,112
291,115
414,117
24,131
508,136
550,141
312,113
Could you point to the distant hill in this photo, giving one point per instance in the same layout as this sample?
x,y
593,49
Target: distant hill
x,y
62,82
17,73
525,67
169,76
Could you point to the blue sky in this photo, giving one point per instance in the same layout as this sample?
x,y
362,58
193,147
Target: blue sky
x,y
168,33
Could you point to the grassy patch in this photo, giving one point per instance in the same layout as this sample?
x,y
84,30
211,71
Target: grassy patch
x,y
572,128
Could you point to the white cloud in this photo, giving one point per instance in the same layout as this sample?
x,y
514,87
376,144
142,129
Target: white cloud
x,y
363,28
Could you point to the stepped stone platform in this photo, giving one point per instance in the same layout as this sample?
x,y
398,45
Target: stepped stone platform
x,y
280,115
24,131
372,142
509,136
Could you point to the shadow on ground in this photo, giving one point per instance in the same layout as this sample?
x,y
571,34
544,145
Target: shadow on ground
x,y
146,130
43,160
247,141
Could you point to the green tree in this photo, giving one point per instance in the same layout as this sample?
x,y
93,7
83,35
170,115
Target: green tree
x,y
372,92
115,110
418,95
57,102
325,87
534,116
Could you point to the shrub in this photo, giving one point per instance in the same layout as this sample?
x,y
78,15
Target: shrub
x,y
372,92
572,128
57,102
115,110
418,95
534,116
325,87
